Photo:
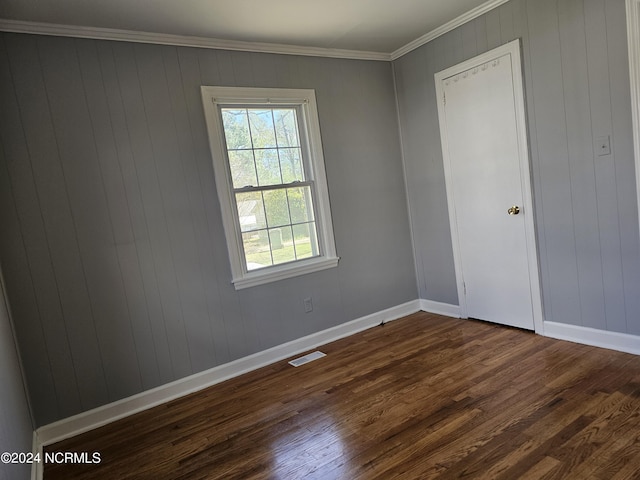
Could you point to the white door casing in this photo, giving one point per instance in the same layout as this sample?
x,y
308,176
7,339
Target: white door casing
x,y
487,171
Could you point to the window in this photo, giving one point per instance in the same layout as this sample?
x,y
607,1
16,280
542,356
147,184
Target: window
x,y
269,169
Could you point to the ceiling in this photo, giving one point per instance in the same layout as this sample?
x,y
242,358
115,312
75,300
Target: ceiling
x,y
382,26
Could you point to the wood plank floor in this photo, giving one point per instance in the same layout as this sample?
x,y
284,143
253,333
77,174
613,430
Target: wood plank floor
x,y
418,398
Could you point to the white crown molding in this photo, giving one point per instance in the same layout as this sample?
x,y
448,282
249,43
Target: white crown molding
x,y
447,27
633,38
18,26
38,28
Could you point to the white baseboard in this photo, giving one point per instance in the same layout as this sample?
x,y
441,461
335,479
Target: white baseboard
x,y
105,414
590,336
621,342
445,309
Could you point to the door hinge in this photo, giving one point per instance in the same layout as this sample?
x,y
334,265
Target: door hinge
x,y
464,287
444,99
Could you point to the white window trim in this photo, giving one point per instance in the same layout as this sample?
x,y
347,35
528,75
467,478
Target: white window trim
x,y
305,98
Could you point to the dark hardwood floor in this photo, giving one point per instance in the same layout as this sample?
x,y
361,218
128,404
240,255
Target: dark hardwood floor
x,y
421,397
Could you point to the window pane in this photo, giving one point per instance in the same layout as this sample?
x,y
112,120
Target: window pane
x,y
268,167
268,159
236,128
275,202
262,130
300,206
281,245
291,164
286,127
257,249
250,211
243,169
306,242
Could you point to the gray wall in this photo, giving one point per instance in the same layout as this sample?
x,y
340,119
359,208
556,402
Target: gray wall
x,y
15,420
577,88
112,244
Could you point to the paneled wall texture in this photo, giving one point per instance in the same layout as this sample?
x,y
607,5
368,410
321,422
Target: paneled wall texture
x,y
576,79
15,418
112,241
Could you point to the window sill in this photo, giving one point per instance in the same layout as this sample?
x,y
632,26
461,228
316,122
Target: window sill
x,y
273,274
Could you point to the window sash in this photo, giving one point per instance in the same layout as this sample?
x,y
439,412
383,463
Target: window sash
x,y
315,238
306,174
216,98
276,186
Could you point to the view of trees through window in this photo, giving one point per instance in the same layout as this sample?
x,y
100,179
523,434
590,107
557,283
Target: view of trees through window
x,y
273,196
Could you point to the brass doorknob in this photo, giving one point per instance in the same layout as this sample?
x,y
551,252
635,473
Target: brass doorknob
x,y
515,210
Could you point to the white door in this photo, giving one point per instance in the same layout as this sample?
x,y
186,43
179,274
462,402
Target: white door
x,y
481,111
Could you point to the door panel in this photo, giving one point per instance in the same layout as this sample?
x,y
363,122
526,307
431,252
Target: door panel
x,y
485,178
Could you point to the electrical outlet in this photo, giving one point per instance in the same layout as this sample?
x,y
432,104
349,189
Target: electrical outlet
x,y
308,305
603,144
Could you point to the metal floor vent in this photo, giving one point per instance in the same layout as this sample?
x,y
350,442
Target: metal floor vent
x,y
307,358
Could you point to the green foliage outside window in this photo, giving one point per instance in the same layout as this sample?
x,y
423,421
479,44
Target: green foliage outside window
x,y
263,147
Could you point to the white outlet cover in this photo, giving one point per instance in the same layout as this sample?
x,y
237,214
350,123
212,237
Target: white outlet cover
x,y
604,145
